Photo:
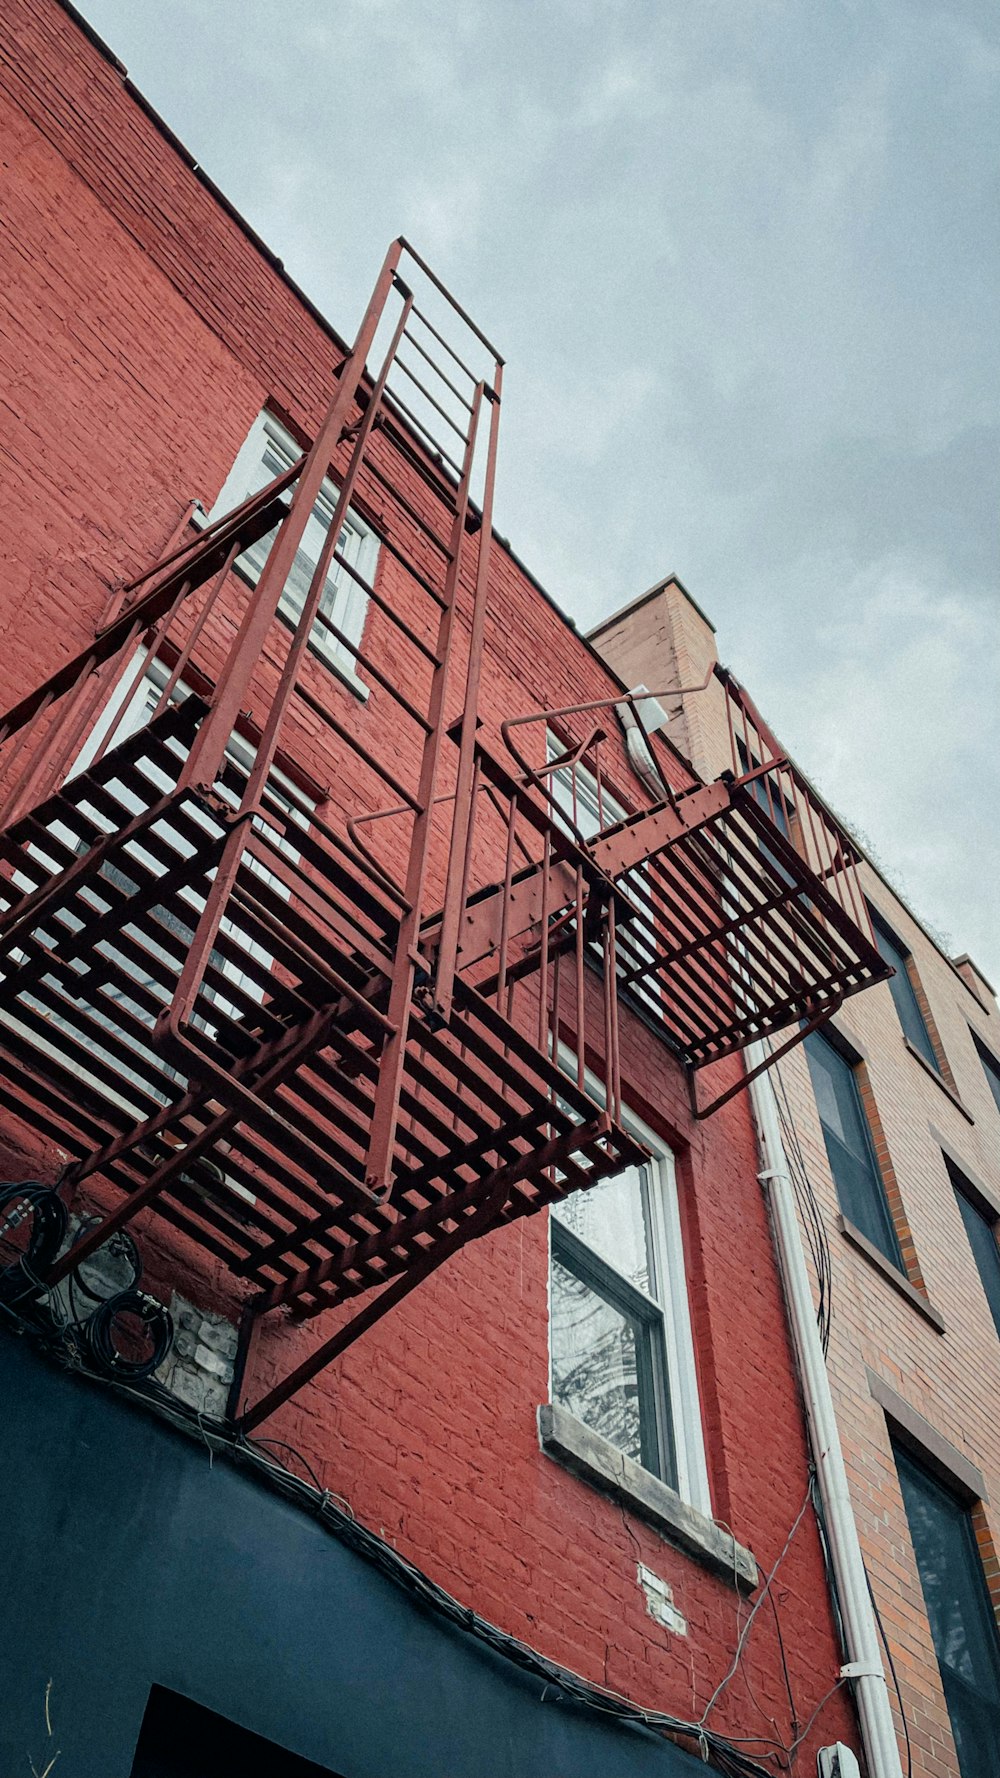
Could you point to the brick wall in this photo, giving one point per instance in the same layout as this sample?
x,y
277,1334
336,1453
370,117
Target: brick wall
x,y
141,331
946,1365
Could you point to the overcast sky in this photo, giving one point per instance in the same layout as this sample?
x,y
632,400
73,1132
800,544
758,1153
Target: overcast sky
x,y
741,257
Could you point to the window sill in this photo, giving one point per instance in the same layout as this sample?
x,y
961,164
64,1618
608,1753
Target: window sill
x,y
595,1460
342,670
892,1273
939,1078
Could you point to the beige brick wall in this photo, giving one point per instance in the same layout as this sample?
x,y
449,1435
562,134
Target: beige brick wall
x,y
947,1369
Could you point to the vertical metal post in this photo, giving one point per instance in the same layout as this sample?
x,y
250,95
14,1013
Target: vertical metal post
x,y
385,1110
210,745
208,750
455,886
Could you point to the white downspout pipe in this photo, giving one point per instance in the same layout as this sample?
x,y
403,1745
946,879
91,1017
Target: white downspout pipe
x,y
864,1664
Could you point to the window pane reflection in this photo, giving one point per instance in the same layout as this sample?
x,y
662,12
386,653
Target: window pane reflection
x,y
595,1361
612,1219
959,1613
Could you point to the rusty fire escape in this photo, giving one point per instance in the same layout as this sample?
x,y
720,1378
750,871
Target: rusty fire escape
x,y
233,1009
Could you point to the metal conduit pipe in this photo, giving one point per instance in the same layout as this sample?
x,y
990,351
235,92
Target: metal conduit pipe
x,y
864,1663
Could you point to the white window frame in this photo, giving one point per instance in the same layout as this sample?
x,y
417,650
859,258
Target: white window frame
x,y
126,719
600,811
344,602
666,1243
605,810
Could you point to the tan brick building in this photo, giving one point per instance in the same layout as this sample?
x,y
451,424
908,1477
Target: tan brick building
x,y
895,1112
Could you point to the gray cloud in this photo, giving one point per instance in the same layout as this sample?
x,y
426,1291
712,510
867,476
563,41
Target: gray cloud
x,y
742,258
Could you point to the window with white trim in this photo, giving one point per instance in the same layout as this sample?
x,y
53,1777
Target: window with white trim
x,y
621,1350
267,451
240,755
581,806
576,796
126,712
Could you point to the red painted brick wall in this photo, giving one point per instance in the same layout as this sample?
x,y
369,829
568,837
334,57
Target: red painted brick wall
x,y
140,333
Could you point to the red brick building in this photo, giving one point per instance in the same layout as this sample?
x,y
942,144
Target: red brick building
x,y
585,1426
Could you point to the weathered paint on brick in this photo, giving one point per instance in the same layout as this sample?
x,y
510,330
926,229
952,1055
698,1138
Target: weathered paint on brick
x,y
140,333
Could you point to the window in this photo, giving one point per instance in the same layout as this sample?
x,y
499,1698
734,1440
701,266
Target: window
x,y
959,1612
267,451
575,795
590,809
767,791
903,992
147,964
232,780
849,1146
991,1068
982,1233
621,1351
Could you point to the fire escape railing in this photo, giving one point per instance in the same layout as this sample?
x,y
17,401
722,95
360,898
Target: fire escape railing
x,y
321,1028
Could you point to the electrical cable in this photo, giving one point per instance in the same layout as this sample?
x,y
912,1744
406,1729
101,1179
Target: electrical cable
x,y
825,1699
793,1715
119,1246
758,1602
22,1276
113,1322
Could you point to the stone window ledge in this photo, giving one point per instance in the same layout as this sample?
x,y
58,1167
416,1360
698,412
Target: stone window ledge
x,y
595,1460
939,1078
929,1446
895,1277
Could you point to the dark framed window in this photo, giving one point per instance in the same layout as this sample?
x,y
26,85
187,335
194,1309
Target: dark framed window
x,y
982,1232
766,791
903,993
608,1338
849,1146
991,1068
959,1612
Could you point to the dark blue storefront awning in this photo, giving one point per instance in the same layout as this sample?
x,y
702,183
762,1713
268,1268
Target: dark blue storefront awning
x,y
130,1562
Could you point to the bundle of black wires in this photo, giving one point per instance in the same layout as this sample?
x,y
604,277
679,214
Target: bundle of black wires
x,y
32,1227
130,1319
124,1331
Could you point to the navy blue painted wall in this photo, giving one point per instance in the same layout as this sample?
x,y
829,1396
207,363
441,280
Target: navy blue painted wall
x,y
127,1560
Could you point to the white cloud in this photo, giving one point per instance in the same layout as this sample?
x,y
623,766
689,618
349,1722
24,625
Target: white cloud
x,y
738,258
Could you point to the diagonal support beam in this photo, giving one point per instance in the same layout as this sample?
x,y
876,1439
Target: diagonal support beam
x,y
394,1293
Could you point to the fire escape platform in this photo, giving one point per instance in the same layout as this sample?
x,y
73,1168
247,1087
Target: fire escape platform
x,y
732,934
328,1041
256,1135
725,931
